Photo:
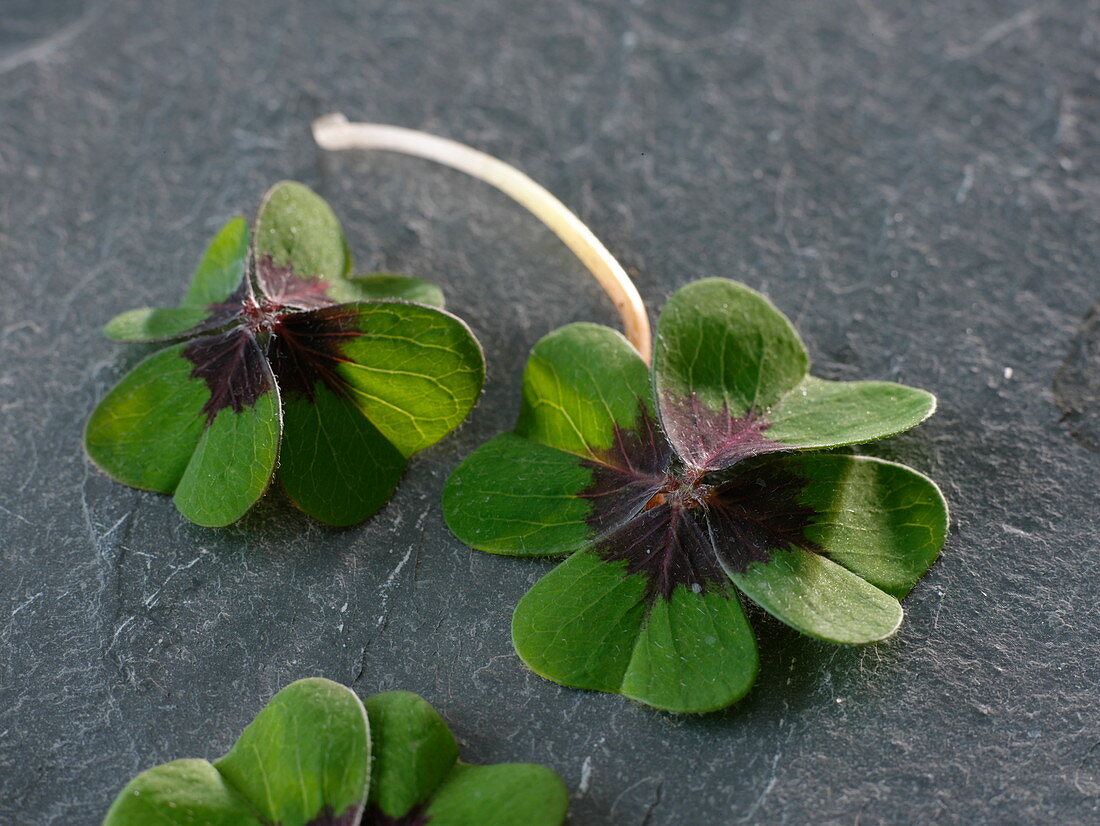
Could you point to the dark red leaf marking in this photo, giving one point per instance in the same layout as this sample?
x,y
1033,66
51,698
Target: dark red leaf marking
x,y
233,367
709,439
666,545
327,817
756,512
667,522
628,475
282,287
295,321
374,816
306,348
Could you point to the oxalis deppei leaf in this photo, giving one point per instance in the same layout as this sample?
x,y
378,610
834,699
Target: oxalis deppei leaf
x,y
681,491
318,756
285,367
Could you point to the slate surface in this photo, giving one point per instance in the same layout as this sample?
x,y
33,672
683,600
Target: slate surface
x,y
916,184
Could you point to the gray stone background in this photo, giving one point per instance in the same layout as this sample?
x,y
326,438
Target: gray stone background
x,y
916,184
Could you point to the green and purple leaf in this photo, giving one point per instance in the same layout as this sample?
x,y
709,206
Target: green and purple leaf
x,y
519,494
731,377
589,623
414,371
672,522
573,401
366,385
348,375
235,457
200,420
317,756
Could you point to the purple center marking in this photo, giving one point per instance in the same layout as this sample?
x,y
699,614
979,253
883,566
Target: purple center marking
x,y
669,522
291,317
709,439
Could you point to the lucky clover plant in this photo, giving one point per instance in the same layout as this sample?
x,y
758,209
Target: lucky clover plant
x,y
317,756
681,491
285,366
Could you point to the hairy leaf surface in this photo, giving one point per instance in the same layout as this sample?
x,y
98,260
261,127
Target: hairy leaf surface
x,y
342,377
681,492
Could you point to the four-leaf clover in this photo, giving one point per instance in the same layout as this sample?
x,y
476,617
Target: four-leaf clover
x,y
679,491
286,367
317,756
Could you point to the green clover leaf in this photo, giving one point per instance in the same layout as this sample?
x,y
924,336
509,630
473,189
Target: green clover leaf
x,y
317,756
682,491
287,367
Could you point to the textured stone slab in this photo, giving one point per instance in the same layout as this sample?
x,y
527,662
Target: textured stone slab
x,y
916,185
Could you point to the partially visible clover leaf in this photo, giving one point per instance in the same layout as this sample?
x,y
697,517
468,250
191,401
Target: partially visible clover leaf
x,y
418,779
315,756
680,490
287,367
305,759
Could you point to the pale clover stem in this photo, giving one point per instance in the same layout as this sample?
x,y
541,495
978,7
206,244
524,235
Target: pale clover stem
x,y
335,132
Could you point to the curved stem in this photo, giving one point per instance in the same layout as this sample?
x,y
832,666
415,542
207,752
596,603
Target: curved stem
x,y
336,132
